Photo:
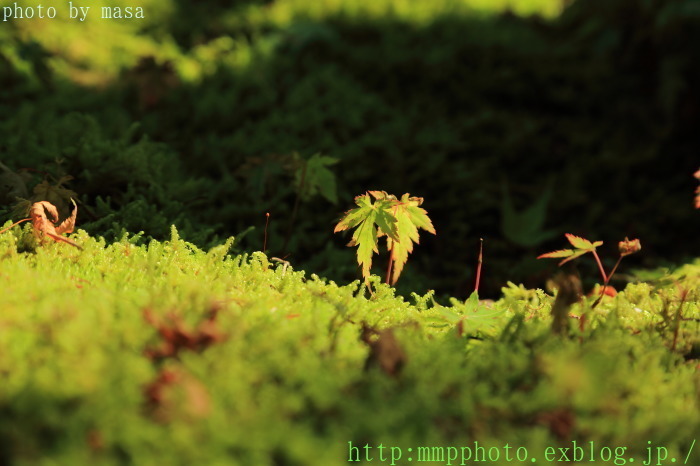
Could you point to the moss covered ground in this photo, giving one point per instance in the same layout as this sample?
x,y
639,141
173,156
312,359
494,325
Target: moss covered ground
x,y
168,354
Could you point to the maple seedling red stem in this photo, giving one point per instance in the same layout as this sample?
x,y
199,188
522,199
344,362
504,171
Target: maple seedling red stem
x,y
388,269
600,266
607,280
619,259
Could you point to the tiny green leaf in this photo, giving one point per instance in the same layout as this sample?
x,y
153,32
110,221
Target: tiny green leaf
x,y
582,246
409,218
557,254
576,254
581,243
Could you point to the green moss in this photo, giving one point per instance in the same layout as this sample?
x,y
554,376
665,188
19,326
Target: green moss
x,y
288,382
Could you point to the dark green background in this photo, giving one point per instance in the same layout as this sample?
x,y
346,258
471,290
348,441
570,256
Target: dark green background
x,y
190,116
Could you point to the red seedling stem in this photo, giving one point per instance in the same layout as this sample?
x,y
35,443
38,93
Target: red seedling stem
x,y
600,266
606,278
389,268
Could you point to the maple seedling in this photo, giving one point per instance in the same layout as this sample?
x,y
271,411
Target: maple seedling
x,y
583,246
44,217
397,219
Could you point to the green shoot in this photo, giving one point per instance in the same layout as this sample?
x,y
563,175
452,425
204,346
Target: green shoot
x,y
583,246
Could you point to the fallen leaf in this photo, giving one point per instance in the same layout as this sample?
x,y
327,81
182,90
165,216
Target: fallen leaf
x,y
44,216
175,336
561,422
568,293
176,394
385,350
45,226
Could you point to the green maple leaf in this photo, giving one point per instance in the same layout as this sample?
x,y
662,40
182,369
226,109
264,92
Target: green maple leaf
x,y
317,178
397,219
581,245
526,227
370,220
409,218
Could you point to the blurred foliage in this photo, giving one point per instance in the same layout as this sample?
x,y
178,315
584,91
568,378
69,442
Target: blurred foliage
x,y
164,353
193,115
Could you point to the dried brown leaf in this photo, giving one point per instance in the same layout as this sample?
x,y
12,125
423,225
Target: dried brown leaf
x,y
56,194
175,394
568,293
385,350
629,246
68,225
175,336
44,216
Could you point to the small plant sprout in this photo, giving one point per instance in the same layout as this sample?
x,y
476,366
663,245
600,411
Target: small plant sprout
x,y
583,246
45,226
397,219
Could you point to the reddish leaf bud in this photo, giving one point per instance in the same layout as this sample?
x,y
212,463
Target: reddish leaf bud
x,y
629,246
